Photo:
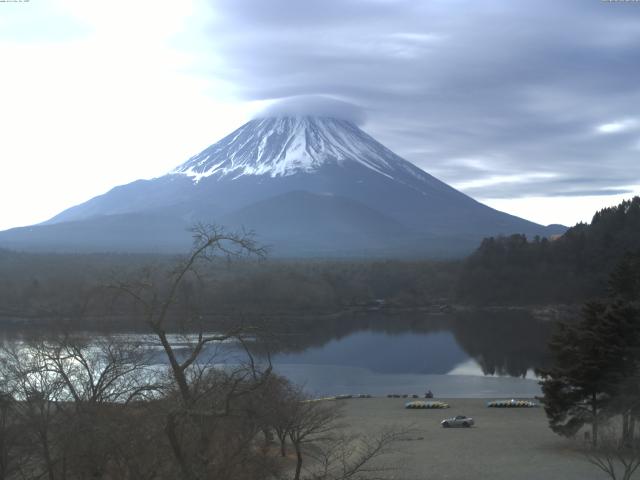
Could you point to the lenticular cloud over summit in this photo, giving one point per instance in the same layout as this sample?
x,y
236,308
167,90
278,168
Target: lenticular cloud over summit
x,y
315,106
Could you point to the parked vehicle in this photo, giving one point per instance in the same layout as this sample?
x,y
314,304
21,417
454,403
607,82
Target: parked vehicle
x,y
457,421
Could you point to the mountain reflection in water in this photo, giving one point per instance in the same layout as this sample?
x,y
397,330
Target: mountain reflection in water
x,y
502,343
481,354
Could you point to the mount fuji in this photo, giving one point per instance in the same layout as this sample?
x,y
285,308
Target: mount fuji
x,y
307,185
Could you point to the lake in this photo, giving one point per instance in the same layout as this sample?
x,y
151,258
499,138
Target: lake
x,y
463,355
468,354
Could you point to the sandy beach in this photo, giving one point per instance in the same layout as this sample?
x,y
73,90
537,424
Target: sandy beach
x,y
504,444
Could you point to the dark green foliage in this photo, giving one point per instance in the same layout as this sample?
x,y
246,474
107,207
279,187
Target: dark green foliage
x,y
503,342
596,361
625,278
61,288
569,269
576,388
504,270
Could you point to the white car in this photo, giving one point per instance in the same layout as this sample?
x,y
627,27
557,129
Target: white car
x,y
457,421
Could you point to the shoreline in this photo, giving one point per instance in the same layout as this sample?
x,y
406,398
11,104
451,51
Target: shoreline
x,y
504,443
320,380
129,324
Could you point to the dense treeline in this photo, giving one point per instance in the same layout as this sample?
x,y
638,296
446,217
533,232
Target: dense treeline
x,y
594,373
73,287
503,271
569,269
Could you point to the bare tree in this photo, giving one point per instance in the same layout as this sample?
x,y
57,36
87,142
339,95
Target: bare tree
x,y
70,397
311,422
617,458
275,405
101,377
157,300
204,396
14,455
317,434
355,456
35,393
103,370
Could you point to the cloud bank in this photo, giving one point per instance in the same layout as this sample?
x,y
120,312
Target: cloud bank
x,y
467,90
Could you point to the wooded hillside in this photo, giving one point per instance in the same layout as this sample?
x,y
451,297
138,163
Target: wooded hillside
x,y
569,269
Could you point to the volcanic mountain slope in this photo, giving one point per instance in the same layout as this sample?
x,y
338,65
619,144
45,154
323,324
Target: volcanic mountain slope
x,y
307,185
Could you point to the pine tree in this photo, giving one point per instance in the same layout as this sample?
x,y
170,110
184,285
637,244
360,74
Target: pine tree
x,y
596,369
576,389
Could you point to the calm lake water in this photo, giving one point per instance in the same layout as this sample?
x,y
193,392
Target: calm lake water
x,y
477,354
470,355
457,355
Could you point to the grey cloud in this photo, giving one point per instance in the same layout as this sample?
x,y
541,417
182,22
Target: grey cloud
x,y
292,14
552,187
520,85
593,193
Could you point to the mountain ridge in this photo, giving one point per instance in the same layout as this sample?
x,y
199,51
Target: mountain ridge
x,y
342,172
281,146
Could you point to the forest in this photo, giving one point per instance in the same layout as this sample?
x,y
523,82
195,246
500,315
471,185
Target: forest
x,y
569,269
74,289
55,288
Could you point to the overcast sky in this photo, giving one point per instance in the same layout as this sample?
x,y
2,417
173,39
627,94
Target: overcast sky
x,y
532,107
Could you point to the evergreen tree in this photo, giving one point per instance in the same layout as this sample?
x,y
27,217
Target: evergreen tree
x,y
596,371
576,387
568,269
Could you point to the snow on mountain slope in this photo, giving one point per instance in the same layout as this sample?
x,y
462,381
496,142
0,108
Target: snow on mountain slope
x,y
269,156
282,146
309,185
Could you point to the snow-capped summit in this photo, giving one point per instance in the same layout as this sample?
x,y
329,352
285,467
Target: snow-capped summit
x,y
286,145
307,185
